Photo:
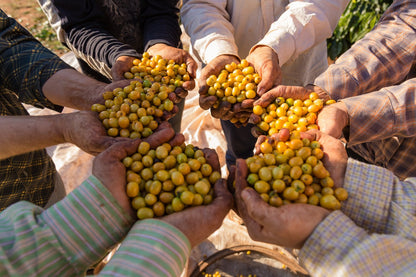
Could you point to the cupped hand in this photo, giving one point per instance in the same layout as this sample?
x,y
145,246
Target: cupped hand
x,y
198,223
289,225
335,156
332,119
266,63
122,65
214,67
110,170
85,130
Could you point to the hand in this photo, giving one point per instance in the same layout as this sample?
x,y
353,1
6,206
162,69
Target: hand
x,y
289,225
179,56
214,67
197,223
110,170
266,63
335,156
332,119
86,131
122,65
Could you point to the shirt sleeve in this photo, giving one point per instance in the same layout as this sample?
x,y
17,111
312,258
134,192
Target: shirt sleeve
x,y
161,23
85,33
384,57
153,248
382,114
208,25
65,239
25,64
303,25
373,234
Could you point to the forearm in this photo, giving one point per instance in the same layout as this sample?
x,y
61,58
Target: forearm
x,y
161,23
339,247
153,248
382,58
65,239
382,114
72,89
209,27
25,64
29,133
302,26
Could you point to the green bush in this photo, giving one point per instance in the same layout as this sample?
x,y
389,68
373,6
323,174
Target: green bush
x,y
359,18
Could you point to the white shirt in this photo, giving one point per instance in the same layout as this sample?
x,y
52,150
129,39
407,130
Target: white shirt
x,y
295,30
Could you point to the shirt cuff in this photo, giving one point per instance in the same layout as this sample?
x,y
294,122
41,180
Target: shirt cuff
x,y
153,248
370,190
89,220
216,47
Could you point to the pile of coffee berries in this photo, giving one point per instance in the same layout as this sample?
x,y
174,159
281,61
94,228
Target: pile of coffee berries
x,y
168,179
235,83
157,69
290,114
134,111
291,171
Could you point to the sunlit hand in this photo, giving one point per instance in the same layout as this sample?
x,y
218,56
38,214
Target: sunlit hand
x,y
110,170
289,225
332,119
206,101
266,63
197,223
122,65
335,156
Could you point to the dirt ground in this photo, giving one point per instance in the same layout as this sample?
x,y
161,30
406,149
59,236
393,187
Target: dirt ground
x,y
30,16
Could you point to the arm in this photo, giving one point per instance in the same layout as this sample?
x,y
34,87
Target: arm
x,y
29,133
375,234
153,248
303,25
382,58
61,249
373,116
84,31
161,23
209,27
25,64
382,114
38,76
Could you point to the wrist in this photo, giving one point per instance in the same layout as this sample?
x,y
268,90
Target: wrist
x,y
72,89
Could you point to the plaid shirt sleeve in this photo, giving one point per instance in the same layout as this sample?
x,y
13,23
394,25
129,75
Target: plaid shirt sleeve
x,y
388,112
65,239
373,235
384,57
25,64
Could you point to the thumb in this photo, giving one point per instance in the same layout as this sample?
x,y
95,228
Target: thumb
x,y
255,205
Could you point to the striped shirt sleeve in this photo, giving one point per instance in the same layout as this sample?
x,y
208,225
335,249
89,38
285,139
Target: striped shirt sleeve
x,y
153,248
374,233
65,239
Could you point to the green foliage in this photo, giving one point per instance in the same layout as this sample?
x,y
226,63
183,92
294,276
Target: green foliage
x,y
358,19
